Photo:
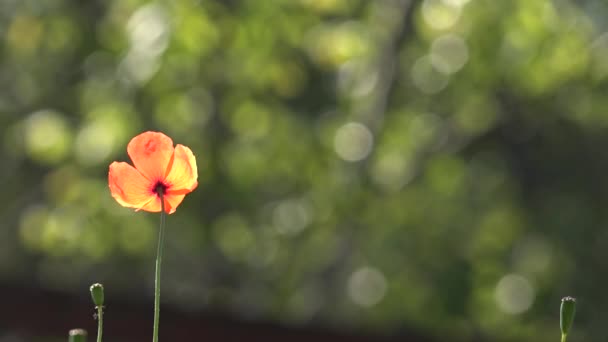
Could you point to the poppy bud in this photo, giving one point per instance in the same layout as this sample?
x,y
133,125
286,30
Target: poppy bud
x,y
97,294
566,315
78,335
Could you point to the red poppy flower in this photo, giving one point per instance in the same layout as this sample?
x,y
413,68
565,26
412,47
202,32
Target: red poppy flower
x,y
158,166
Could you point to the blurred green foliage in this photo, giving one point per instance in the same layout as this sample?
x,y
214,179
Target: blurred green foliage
x,y
436,164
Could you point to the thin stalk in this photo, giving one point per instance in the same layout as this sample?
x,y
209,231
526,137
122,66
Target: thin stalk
x,y
563,338
99,322
159,258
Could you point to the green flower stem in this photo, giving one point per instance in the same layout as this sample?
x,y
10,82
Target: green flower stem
x,y
98,299
99,322
159,258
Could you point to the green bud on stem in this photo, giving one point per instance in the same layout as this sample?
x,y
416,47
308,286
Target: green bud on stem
x,y
97,294
566,316
77,335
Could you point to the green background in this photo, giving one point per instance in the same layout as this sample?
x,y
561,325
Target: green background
x,y
364,165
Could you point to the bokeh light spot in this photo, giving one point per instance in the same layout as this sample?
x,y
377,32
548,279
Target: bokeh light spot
x,y
25,26
291,216
333,45
391,171
456,3
47,136
439,14
449,53
137,67
427,77
514,294
95,142
367,286
148,30
149,36
353,142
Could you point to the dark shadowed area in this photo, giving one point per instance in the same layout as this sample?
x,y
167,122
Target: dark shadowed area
x,y
388,170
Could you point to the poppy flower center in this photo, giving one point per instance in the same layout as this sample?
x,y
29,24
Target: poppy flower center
x,y
159,188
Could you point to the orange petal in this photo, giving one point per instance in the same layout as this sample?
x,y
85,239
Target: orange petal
x,y
151,153
152,206
128,186
183,175
171,203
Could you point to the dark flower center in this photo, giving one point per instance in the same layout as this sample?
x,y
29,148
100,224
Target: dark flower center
x,y
159,188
